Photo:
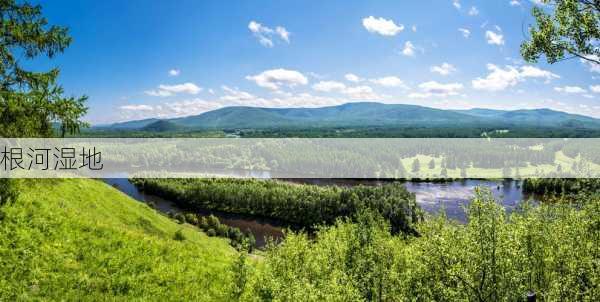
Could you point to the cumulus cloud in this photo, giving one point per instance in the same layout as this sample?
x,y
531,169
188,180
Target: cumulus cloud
x,y
167,110
266,34
595,88
283,33
465,32
275,78
354,92
456,4
528,71
570,89
361,92
382,26
501,78
136,107
515,3
352,78
435,89
494,38
174,72
409,49
444,69
389,81
329,86
235,95
170,90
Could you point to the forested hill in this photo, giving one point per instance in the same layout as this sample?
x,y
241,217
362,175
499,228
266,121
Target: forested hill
x,y
365,114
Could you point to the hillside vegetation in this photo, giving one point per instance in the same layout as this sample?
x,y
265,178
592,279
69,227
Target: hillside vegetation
x,y
361,114
82,239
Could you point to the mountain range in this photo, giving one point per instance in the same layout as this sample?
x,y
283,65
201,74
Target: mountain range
x,y
364,114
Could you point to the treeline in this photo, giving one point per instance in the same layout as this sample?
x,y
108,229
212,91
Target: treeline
x,y
420,132
213,227
299,205
561,186
550,251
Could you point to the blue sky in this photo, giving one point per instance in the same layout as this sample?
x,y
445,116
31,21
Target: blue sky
x,y
138,59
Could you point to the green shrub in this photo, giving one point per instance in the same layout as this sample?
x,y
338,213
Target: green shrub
x,y
179,236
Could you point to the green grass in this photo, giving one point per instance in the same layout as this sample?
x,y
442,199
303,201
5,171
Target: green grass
x,y
84,240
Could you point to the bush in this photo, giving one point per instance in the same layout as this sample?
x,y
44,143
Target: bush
x,y
551,250
203,223
191,218
179,217
179,236
213,222
211,232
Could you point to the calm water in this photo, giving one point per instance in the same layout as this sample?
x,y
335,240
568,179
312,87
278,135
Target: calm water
x,y
450,197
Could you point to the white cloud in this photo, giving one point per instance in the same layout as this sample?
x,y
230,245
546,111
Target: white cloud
x,y
465,32
593,67
444,69
328,86
170,90
456,3
356,92
275,78
137,107
473,11
389,81
528,71
382,26
235,95
167,110
361,92
499,79
409,49
514,3
414,28
265,34
494,38
352,78
570,89
435,89
283,33
174,72
438,88
595,88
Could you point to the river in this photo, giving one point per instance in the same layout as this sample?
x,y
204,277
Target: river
x,y
431,196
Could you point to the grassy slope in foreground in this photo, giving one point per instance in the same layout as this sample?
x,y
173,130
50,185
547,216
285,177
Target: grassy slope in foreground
x,y
68,239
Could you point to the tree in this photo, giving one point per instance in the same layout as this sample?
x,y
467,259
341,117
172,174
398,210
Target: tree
x,y
570,31
241,273
31,101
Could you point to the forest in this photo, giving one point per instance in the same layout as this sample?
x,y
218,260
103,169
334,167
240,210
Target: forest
x,y
299,205
548,252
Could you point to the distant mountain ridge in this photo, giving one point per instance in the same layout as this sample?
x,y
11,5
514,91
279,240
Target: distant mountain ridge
x,y
364,114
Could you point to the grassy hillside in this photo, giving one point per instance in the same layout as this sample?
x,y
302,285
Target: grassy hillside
x,y
66,239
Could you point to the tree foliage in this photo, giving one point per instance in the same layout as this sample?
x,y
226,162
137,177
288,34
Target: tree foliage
x,y
32,101
551,250
570,30
299,205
